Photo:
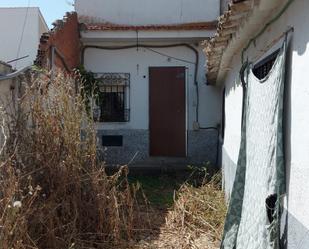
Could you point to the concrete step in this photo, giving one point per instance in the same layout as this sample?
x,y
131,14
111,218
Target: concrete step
x,y
157,166
163,163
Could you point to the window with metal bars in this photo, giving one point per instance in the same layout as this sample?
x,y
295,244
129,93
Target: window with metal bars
x,y
262,68
113,97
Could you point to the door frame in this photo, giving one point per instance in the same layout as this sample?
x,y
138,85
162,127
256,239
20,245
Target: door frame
x,y
186,97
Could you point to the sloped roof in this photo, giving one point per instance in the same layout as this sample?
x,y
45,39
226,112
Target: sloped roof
x,y
228,25
237,29
118,27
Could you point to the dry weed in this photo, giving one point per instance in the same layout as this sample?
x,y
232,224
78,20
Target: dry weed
x,y
200,210
196,220
54,192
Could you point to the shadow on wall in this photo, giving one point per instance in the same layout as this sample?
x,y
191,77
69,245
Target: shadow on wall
x,y
287,135
295,233
298,234
234,75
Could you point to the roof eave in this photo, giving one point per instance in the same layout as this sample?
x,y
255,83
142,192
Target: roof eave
x,y
252,21
211,25
131,36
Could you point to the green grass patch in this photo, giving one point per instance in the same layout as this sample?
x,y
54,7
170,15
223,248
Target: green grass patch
x,y
160,189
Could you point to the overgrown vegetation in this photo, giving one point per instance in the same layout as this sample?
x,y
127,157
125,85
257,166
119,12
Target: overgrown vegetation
x,y
90,89
54,193
159,189
196,219
199,211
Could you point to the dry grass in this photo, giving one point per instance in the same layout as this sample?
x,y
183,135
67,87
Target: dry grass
x,y
54,193
196,219
199,212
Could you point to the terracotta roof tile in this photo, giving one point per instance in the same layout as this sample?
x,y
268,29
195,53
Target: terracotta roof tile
x,y
228,24
117,27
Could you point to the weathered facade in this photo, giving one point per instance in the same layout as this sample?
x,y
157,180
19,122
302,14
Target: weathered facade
x,y
10,85
144,46
60,47
256,29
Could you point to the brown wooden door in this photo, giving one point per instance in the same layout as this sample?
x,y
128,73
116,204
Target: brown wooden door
x,y
167,118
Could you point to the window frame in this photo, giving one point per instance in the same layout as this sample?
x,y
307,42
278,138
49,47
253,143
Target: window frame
x,y
112,80
263,67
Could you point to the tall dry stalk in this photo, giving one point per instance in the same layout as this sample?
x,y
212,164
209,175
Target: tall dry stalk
x,y
198,214
54,192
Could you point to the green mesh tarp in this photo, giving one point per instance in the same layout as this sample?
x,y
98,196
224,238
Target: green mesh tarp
x,y
253,218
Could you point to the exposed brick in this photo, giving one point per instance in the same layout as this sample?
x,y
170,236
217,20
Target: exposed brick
x,y
65,38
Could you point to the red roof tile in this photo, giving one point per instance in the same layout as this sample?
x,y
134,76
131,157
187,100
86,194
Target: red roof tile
x,y
118,27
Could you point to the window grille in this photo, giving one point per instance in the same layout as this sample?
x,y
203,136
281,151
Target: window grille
x,y
262,68
113,97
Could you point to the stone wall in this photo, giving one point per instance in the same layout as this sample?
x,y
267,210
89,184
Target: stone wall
x,y
201,148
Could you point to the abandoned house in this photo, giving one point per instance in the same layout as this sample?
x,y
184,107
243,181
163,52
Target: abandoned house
x,y
249,114
155,100
149,60
259,58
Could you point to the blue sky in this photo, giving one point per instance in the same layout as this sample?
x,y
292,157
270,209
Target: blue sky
x,y
51,9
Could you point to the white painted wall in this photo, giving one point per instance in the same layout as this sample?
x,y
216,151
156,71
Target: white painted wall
x,y
136,62
296,125
8,97
224,5
148,35
5,87
143,12
11,29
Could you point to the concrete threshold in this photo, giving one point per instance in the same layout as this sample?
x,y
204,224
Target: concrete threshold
x,y
158,166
